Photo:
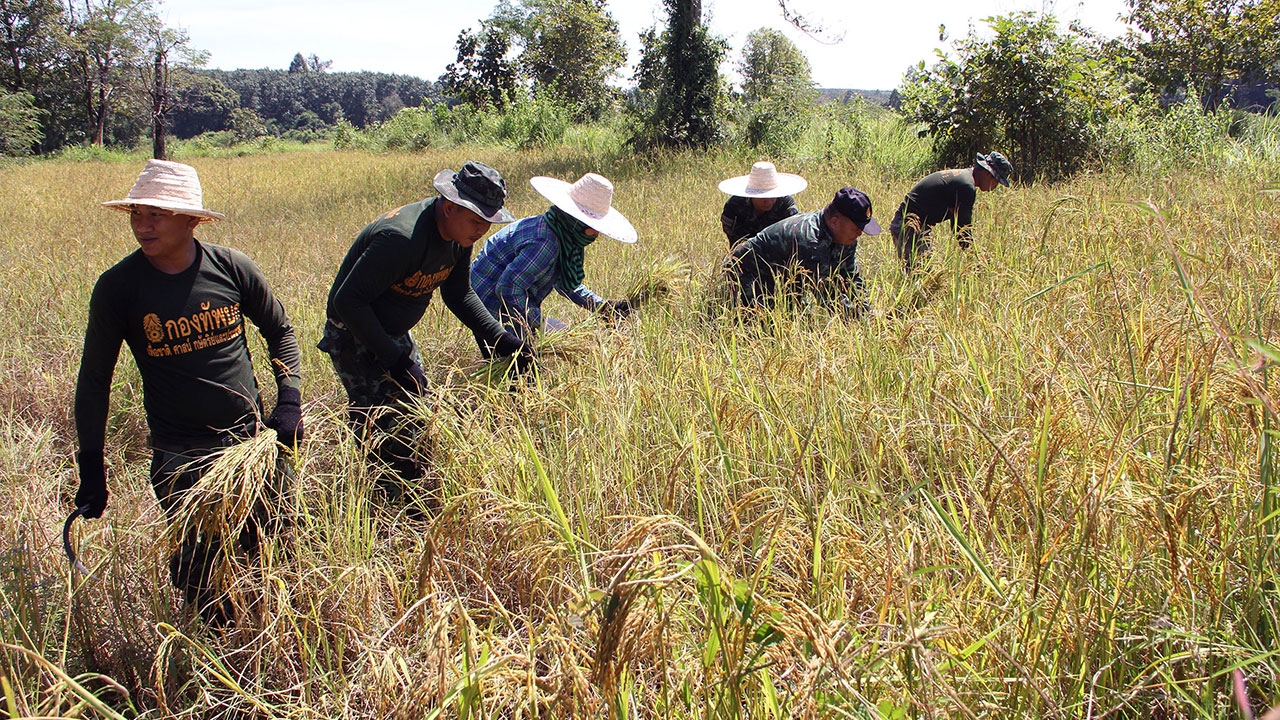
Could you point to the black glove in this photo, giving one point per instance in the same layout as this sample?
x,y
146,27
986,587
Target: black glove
x,y
508,344
286,418
618,309
93,483
408,375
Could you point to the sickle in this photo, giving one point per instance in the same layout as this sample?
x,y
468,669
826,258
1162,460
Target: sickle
x,y
66,541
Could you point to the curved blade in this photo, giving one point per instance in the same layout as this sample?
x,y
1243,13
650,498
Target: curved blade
x,y
66,541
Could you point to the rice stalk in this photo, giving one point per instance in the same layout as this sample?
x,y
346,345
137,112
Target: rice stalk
x,y
657,282
240,479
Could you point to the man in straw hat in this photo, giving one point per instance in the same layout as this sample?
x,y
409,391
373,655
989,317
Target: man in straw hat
x,y
944,195
814,250
180,305
758,200
382,290
520,265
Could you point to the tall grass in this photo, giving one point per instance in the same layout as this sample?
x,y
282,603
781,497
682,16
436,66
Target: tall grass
x,y
1039,483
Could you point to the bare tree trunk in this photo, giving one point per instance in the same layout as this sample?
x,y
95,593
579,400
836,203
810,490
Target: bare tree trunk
x,y
159,104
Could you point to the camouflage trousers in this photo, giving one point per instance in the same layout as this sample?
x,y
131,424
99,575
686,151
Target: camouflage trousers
x,y
374,408
910,236
192,566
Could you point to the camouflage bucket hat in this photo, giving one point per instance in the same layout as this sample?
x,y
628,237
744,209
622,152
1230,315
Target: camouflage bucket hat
x,y
478,188
996,164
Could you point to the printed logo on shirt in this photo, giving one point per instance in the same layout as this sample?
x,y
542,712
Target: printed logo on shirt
x,y
420,283
204,329
392,213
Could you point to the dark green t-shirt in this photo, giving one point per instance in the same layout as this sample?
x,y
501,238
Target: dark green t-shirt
x,y
187,335
384,284
943,195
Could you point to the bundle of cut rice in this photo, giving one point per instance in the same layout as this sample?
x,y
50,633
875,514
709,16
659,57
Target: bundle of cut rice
x,y
657,282
239,479
570,342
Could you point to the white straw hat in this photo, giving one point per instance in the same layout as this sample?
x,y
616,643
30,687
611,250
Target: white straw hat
x,y
589,200
764,181
169,185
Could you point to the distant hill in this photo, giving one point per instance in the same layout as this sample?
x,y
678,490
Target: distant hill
x,y
845,95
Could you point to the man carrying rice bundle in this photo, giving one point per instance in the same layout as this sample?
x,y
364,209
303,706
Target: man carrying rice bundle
x,y
520,265
815,251
180,305
382,290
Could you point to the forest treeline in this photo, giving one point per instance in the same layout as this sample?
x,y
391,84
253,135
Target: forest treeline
x,y
1057,99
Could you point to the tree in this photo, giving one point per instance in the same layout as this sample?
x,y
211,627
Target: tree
x,y
572,48
679,71
31,42
1032,91
165,83
1208,47
482,75
19,123
109,42
773,67
298,64
777,88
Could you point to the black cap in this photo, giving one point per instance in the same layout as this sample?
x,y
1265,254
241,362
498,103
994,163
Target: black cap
x,y
855,205
478,188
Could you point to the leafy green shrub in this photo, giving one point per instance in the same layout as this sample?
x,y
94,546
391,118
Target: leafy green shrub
x,y
1031,91
19,124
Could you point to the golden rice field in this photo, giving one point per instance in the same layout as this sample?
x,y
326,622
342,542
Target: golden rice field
x,y
1040,483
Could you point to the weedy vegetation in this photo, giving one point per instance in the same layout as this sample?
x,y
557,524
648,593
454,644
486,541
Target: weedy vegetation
x,y
1039,482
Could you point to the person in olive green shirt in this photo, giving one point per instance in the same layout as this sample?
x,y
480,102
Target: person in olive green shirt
x,y
381,291
180,305
944,195
813,251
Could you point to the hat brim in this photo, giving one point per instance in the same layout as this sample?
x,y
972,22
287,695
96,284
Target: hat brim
x,y
871,227
788,184
613,223
443,183
982,163
175,208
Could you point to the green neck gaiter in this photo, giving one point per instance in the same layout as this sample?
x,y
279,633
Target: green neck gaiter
x,y
571,234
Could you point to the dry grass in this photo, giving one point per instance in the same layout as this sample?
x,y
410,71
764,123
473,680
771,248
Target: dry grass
x,y
1039,483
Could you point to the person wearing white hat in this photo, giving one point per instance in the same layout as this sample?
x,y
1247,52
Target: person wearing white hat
x,y
758,200
381,291
180,305
518,267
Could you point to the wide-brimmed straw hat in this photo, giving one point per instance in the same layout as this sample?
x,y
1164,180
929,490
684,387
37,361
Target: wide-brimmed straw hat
x,y
478,188
169,185
764,181
590,200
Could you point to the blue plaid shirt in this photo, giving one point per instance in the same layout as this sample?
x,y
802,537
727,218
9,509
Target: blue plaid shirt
x,y
515,271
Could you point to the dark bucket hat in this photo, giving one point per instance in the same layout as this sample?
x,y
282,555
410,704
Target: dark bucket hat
x,y
478,188
996,164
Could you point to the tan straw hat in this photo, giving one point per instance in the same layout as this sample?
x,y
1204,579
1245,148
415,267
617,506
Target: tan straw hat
x,y
589,200
169,185
764,181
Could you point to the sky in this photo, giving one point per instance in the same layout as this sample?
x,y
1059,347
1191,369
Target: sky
x,y
881,38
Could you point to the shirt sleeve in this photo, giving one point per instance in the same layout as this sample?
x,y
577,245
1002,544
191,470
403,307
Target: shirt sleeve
x,y
102,340
378,268
584,297
462,301
261,306
728,220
